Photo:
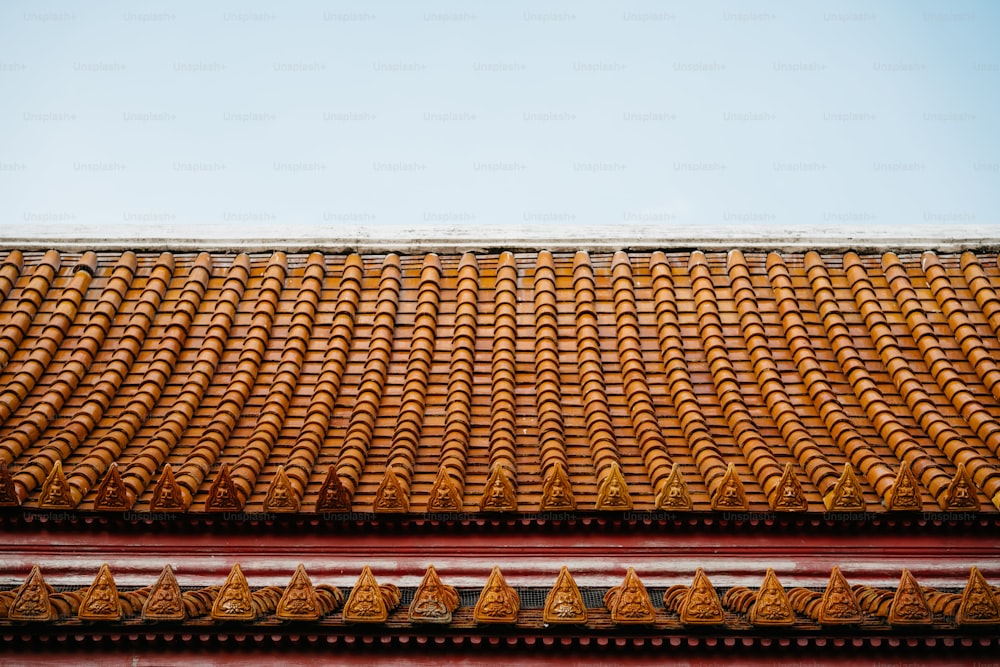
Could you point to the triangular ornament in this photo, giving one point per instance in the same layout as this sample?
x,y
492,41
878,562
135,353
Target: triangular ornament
x,y
612,492
674,494
904,496
840,606
164,602
909,607
498,602
391,497
365,603
111,493
701,605
979,604
333,495
55,491
847,495
101,602
771,606
281,497
730,494
445,494
498,494
222,494
234,601
167,495
629,602
298,602
564,604
32,601
8,494
788,497
556,491
960,496
433,601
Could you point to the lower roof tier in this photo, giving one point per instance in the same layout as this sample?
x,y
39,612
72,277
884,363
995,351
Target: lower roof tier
x,y
500,383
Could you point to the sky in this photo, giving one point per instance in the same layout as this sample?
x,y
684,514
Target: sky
x,y
343,119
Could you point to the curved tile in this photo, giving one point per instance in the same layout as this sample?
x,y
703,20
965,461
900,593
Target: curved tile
x,y
29,301
10,270
503,369
548,394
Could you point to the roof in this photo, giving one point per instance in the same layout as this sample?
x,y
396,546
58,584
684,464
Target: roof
x,y
640,381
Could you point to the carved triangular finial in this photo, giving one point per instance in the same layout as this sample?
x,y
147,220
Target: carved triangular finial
x,y
391,496
674,494
365,603
222,494
772,606
111,493
840,606
281,496
433,601
960,496
32,601
498,494
498,602
905,492
164,602
333,495
730,494
909,607
629,602
8,494
979,604
847,495
167,494
701,605
612,492
234,601
298,602
445,494
564,604
101,603
55,491
788,496
557,494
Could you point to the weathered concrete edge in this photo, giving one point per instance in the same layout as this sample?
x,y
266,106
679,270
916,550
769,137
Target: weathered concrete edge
x,y
451,245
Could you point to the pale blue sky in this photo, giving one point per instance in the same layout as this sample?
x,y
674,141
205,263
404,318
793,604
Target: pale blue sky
x,y
335,119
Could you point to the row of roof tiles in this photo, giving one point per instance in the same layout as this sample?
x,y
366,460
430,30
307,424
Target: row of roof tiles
x,y
500,382
697,603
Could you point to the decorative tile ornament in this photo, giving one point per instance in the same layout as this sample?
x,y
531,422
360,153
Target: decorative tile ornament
x,y
847,495
8,494
445,495
702,605
333,495
771,606
979,605
498,602
904,496
111,493
234,601
564,604
730,494
101,602
788,496
961,495
612,492
909,607
840,606
366,604
629,602
164,602
55,491
167,494
498,494
32,600
298,601
222,494
281,496
557,494
674,493
433,601
391,497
